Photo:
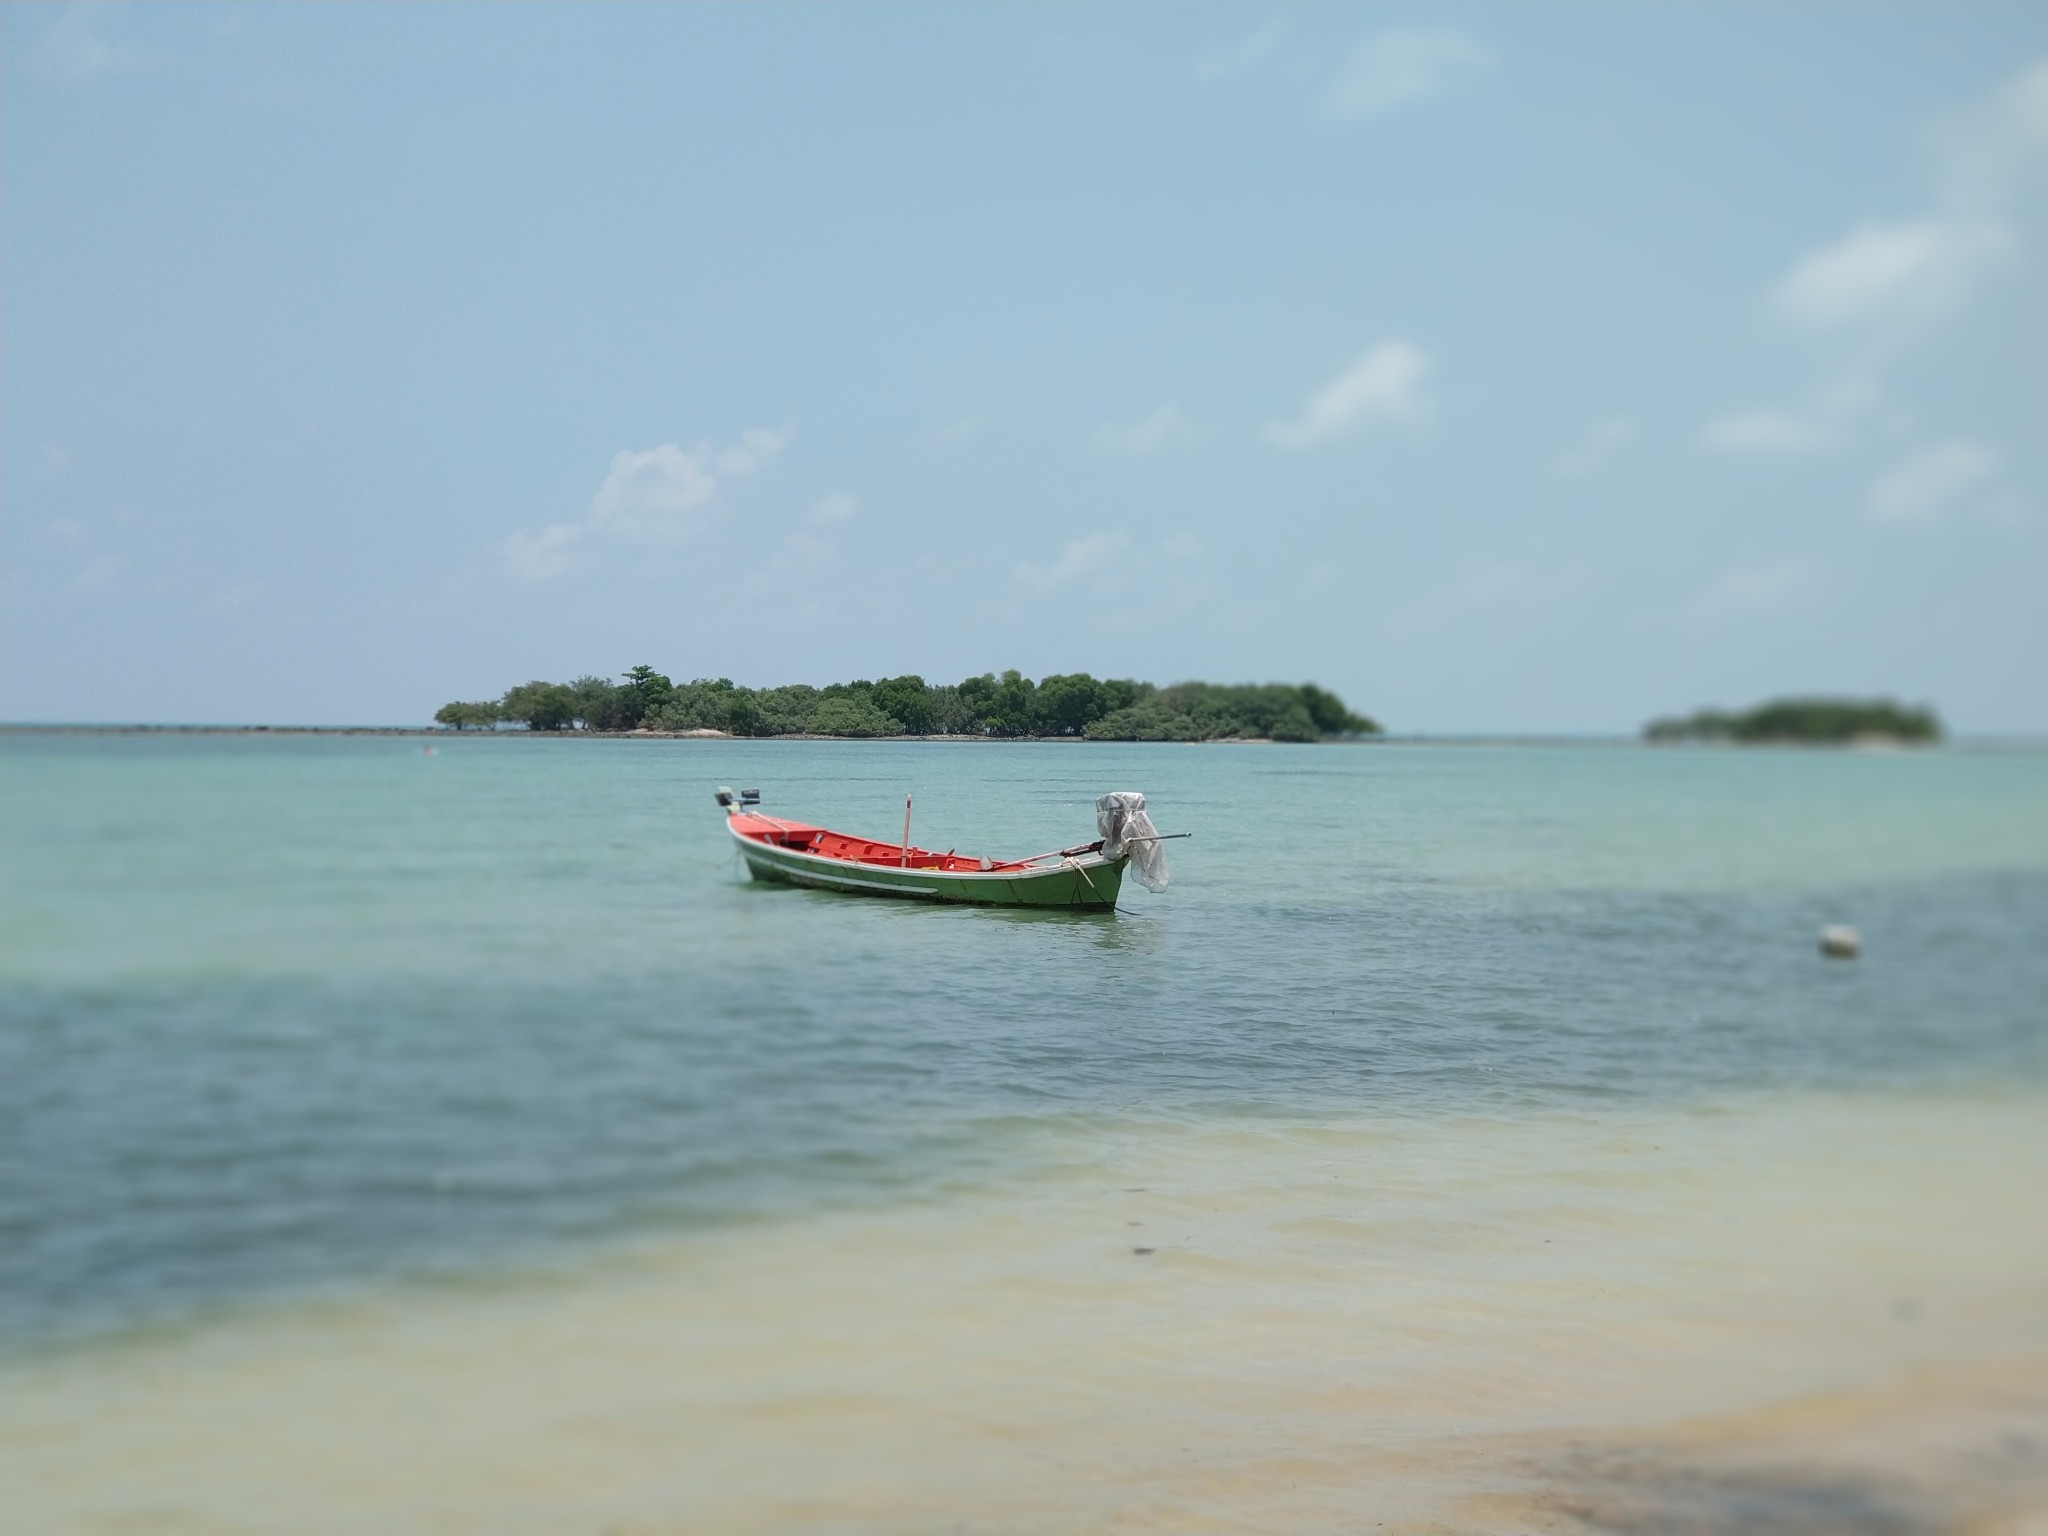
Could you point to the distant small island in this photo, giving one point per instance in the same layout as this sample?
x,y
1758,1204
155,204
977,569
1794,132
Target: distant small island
x,y
1804,722
1070,705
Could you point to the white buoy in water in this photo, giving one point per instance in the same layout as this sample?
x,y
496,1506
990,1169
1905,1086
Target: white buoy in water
x,y
1838,941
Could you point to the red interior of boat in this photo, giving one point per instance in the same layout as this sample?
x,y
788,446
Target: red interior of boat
x,y
854,850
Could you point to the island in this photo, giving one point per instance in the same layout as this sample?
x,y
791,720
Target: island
x,y
1070,705
1805,722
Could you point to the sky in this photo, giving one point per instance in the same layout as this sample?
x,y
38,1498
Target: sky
x,y
1504,368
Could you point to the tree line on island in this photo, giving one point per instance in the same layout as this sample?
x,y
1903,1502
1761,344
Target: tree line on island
x,y
1011,705
1808,722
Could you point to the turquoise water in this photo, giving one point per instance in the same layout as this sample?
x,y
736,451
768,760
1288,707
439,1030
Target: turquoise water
x,y
307,1014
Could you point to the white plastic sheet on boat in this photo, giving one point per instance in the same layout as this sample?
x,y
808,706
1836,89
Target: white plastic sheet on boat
x,y
1120,818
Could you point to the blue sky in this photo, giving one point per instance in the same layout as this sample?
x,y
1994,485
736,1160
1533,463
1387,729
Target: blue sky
x,y
1502,367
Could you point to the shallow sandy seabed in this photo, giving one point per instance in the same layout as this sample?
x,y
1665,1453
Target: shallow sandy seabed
x,y
1963,1449
1806,1315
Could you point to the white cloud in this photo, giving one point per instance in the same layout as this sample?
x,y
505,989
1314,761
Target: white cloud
x,y
755,451
1749,588
1887,271
1379,74
1383,388
1084,559
1931,481
537,556
1994,149
1772,432
1918,268
1402,65
1598,448
1884,283
649,496
836,508
1165,428
654,492
77,46
1765,433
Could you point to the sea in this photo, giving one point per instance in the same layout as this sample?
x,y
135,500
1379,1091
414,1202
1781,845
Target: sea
x,y
448,1136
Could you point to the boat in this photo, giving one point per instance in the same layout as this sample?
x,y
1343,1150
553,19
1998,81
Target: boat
x,y
1086,877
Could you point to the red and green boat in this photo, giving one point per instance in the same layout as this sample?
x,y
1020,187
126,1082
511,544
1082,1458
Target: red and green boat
x,y
1084,877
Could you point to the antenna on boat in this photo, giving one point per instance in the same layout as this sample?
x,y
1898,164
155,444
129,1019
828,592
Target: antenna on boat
x,y
906,832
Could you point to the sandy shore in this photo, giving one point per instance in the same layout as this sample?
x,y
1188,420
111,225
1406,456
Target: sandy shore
x,y
1815,1315
1961,1448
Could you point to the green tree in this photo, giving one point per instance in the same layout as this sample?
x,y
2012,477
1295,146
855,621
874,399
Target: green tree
x,y
907,700
599,704
1330,715
1065,704
1149,719
467,716
951,714
541,706
1009,709
1702,725
642,692
743,713
1807,721
1121,693
975,697
852,716
1293,723
1062,704
705,704
785,711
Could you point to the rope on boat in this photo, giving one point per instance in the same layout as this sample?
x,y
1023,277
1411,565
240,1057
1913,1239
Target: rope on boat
x,y
1075,865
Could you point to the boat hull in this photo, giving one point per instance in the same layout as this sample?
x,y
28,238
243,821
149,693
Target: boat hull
x,y
1085,882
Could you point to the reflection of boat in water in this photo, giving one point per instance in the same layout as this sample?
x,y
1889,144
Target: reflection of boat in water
x,y
1088,875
